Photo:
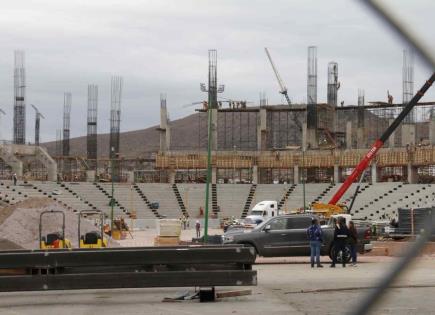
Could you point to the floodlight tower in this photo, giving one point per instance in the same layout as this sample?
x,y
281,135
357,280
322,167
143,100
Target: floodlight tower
x,y
19,99
38,117
3,113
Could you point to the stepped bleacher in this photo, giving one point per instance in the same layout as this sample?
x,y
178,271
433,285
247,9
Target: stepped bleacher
x,y
378,201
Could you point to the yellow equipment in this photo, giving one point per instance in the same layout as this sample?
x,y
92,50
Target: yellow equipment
x,y
53,240
328,210
93,239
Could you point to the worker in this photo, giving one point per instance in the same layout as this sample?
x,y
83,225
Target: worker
x,y
14,177
353,242
198,229
314,233
341,235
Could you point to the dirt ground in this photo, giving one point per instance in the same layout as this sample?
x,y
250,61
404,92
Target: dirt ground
x,y
19,224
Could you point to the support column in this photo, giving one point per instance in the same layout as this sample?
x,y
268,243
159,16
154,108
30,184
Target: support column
x,y
214,120
392,139
374,171
309,138
90,176
130,177
164,129
408,134
261,130
349,135
255,174
432,132
336,174
412,174
171,175
213,175
296,174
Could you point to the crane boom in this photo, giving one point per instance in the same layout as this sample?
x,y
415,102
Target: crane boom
x,y
357,171
278,77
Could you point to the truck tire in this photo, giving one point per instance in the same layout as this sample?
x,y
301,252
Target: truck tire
x,y
347,254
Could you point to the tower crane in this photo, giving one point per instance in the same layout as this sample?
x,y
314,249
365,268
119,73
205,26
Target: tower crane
x,y
283,88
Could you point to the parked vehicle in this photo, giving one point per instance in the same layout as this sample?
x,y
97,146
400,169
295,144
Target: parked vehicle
x,y
286,235
262,211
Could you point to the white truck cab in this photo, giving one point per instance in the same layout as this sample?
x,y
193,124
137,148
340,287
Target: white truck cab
x,y
263,210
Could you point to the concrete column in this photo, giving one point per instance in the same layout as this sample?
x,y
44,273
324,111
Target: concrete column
x,y
255,174
296,174
164,129
261,130
309,138
90,176
171,176
374,171
214,121
130,177
349,135
213,175
361,140
408,134
412,174
392,139
336,174
432,132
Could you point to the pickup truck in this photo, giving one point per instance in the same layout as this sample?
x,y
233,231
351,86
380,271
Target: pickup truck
x,y
286,235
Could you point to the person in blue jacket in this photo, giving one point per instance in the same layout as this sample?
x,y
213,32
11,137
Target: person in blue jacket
x,y
314,233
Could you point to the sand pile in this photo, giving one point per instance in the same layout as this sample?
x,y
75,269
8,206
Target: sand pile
x,y
19,224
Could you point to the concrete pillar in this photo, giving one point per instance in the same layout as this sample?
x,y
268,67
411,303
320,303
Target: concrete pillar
x,y
361,140
261,130
432,132
309,138
392,139
408,134
337,174
255,174
214,120
213,175
90,176
164,129
412,174
374,171
130,177
349,135
171,176
296,174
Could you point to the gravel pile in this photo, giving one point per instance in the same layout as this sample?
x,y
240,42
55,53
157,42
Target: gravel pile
x,y
20,223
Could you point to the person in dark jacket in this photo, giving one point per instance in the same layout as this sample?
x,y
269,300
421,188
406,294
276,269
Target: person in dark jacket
x,y
314,234
341,234
353,242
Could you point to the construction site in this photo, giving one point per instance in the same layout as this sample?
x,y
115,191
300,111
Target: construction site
x,y
222,201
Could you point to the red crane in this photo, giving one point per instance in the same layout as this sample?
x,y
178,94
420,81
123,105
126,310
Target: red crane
x,y
331,207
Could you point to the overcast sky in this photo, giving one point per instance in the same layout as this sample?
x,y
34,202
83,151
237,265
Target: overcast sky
x,y
161,47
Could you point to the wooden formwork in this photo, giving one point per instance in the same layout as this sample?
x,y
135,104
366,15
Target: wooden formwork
x,y
417,156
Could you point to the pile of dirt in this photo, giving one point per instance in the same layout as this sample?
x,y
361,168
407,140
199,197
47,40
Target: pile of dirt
x,y
19,224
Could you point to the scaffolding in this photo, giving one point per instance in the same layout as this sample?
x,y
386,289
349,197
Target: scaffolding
x,y
115,121
19,99
91,140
